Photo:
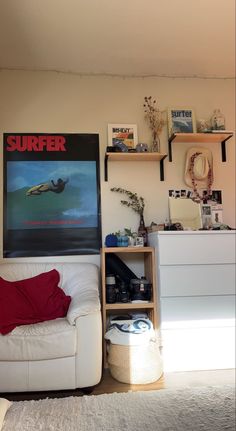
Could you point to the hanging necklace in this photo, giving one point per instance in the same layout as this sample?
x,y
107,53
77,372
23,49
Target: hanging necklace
x,y
197,197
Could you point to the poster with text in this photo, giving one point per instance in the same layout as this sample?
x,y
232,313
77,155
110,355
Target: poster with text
x,y
51,194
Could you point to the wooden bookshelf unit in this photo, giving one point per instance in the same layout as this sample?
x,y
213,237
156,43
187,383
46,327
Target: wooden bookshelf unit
x,y
148,256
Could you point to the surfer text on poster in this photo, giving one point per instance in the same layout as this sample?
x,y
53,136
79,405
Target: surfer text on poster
x,y
36,143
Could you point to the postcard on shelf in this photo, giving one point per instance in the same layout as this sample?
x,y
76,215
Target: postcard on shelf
x,y
123,136
181,120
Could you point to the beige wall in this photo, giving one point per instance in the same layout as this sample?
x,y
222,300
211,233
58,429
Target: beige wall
x,y
57,102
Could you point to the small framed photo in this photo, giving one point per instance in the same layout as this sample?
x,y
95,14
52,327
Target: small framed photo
x,y
181,120
183,194
216,197
139,241
206,216
217,214
123,135
206,210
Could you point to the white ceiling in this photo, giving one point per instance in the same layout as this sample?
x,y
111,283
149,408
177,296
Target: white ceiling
x,y
120,37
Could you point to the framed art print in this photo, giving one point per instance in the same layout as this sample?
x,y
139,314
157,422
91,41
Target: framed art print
x,y
51,194
217,214
181,120
122,135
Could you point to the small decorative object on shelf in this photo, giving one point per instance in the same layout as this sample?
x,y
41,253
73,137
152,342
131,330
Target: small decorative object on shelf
x,y
181,120
131,236
203,126
141,148
154,117
123,136
111,240
122,240
217,120
142,230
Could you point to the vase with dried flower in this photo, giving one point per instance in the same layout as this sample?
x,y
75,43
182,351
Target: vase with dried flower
x,y
136,203
154,117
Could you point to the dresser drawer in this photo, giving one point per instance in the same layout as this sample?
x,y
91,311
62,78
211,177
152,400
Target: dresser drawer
x,y
196,280
196,248
197,311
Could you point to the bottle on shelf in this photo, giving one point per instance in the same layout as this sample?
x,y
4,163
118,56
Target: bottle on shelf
x,y
110,289
142,230
217,120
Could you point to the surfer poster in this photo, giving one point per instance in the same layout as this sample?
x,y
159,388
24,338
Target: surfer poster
x,y
51,195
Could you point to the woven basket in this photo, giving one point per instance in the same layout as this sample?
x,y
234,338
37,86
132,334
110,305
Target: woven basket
x,y
135,364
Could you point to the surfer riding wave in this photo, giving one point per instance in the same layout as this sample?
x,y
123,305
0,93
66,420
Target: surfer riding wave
x,y
57,187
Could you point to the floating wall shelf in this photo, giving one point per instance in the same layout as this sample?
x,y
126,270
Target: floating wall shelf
x,y
201,138
135,157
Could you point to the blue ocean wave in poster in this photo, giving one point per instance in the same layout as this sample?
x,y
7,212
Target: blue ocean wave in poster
x,y
33,200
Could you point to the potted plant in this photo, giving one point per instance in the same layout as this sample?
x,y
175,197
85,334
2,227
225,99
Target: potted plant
x,y
131,236
136,203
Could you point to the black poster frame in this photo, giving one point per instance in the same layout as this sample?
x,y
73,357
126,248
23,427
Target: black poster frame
x,y
52,240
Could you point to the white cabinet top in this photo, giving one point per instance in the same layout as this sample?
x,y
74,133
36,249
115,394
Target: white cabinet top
x,y
194,247
194,232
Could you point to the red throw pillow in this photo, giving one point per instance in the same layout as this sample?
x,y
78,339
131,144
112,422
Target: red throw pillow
x,y
31,300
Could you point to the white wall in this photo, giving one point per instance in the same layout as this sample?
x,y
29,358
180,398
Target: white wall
x,y
57,102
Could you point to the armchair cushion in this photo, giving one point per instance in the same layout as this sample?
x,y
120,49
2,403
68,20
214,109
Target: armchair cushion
x,y
31,300
44,340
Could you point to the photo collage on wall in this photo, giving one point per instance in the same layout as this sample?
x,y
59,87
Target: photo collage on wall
x,y
212,209
51,194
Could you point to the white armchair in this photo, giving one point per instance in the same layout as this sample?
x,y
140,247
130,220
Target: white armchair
x,y
64,353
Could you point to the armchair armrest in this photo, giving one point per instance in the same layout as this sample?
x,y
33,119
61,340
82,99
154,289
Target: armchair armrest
x,y
83,287
83,303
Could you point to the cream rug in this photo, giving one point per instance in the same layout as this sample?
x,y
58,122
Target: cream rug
x,y
201,408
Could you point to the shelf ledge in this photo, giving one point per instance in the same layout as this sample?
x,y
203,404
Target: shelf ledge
x,y
135,157
201,138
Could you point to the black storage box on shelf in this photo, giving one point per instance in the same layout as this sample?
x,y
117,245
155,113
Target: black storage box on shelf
x,y
140,289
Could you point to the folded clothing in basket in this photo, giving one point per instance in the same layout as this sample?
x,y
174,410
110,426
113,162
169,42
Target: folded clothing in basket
x,y
130,332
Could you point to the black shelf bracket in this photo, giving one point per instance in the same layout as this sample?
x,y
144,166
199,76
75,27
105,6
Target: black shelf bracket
x,y
170,147
106,167
223,148
162,168
223,151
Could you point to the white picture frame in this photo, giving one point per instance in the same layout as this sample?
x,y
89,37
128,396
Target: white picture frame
x,y
124,136
217,214
206,216
139,241
181,120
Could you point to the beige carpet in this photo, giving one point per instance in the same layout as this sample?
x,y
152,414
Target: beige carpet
x,y
197,409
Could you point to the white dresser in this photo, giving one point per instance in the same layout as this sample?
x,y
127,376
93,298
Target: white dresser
x,y
196,291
